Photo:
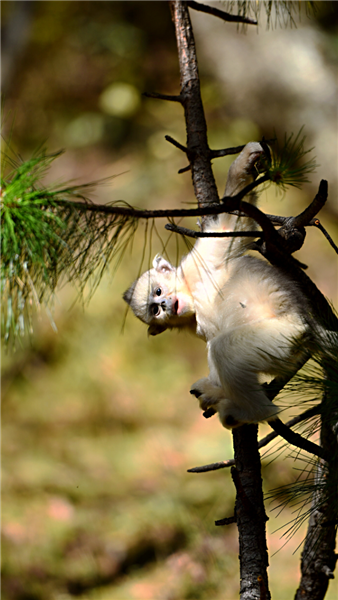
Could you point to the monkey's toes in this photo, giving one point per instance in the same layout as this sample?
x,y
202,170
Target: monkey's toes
x,y
210,412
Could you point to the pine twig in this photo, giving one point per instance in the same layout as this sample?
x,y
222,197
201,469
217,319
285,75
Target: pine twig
x,y
175,143
318,224
221,14
169,97
209,234
307,414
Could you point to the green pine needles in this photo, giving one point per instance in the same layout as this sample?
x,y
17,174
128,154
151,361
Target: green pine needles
x,y
47,239
278,12
290,164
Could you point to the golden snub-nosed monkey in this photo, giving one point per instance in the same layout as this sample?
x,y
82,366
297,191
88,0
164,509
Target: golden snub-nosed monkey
x,y
252,316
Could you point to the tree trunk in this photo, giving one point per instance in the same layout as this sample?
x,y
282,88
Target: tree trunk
x,y
318,557
250,511
250,515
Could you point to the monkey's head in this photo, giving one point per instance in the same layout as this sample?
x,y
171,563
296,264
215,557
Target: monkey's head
x,y
161,299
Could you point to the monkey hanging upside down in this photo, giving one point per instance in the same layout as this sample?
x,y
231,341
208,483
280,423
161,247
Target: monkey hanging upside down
x,y
252,316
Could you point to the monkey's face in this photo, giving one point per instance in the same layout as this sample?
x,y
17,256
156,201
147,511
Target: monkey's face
x,y
160,299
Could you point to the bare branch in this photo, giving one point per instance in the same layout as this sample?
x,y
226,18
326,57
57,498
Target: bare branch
x,y
318,557
210,10
226,521
226,151
216,234
175,143
313,209
223,464
170,97
318,224
197,141
184,170
295,439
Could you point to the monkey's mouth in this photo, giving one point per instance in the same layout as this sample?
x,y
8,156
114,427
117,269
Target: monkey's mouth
x,y
175,307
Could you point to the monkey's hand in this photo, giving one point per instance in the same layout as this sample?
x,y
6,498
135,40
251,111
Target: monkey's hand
x,y
230,412
211,396
207,393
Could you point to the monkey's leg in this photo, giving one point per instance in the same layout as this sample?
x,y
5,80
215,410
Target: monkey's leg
x,y
207,392
237,357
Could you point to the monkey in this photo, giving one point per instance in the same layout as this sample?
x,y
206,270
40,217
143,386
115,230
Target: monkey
x,y
252,317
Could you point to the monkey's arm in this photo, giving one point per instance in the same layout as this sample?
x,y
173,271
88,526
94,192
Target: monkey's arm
x,y
235,360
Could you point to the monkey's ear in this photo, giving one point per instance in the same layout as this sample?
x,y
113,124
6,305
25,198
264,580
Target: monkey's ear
x,y
161,264
156,328
128,294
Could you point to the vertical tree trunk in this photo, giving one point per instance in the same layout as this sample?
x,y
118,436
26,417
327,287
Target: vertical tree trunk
x,y
197,142
250,512
250,515
318,557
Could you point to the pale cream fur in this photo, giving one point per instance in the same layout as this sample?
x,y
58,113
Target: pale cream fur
x,y
251,315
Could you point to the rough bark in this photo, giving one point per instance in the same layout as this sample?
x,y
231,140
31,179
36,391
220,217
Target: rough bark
x,y
250,515
318,557
247,474
198,151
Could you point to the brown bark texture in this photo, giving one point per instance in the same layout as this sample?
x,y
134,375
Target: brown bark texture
x,y
318,556
247,474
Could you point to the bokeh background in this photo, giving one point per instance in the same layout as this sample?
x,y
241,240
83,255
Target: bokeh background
x,y
98,427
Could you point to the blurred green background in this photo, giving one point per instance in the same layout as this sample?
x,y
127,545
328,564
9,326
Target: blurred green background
x,y
98,427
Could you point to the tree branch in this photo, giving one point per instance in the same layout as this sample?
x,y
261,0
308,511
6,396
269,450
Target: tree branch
x,y
295,439
318,224
210,10
318,557
175,143
197,142
170,97
226,151
209,234
223,464
313,209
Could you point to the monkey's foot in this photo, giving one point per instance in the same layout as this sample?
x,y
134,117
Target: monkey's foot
x,y
233,414
207,393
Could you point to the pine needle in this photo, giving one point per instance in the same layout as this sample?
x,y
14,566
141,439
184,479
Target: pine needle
x,y
47,240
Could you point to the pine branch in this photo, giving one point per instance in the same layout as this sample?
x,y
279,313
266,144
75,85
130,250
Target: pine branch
x,y
318,557
223,464
210,10
47,239
197,143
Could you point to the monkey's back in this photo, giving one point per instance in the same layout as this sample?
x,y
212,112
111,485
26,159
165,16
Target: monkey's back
x,y
252,290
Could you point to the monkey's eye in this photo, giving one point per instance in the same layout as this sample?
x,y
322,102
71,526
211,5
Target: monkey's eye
x,y
158,292
155,310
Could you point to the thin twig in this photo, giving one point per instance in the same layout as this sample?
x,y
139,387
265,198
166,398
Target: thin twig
x,y
210,234
316,205
210,10
170,97
295,439
318,224
175,143
223,464
226,521
184,169
226,151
